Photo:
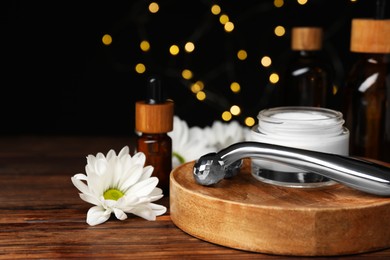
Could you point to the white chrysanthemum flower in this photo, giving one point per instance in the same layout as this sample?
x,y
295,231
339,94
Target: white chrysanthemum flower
x,y
188,144
119,184
221,135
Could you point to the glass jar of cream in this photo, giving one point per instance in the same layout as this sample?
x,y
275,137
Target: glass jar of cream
x,y
310,128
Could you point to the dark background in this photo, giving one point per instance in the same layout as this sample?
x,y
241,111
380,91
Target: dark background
x,y
58,78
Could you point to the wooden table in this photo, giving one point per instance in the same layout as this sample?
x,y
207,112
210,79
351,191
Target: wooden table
x,y
42,216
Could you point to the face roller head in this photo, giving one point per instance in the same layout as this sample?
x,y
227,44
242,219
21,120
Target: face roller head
x,y
210,169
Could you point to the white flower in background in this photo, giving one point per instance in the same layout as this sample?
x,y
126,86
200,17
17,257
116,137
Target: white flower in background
x,y
190,143
221,135
118,184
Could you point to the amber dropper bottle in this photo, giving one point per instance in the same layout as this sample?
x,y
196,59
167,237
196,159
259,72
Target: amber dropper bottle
x,y
308,79
367,90
154,119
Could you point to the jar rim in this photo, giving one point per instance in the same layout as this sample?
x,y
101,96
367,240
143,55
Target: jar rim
x,y
313,113
300,120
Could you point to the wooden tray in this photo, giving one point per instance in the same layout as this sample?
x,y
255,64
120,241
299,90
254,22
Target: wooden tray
x,y
246,214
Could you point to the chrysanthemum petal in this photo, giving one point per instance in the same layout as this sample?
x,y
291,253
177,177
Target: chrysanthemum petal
x,y
157,209
111,154
124,152
139,158
126,202
101,166
156,192
80,176
143,188
90,160
131,177
119,214
100,156
150,198
90,199
97,215
145,212
79,184
110,203
147,172
198,134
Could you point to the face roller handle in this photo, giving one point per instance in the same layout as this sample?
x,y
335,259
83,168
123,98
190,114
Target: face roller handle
x,y
356,173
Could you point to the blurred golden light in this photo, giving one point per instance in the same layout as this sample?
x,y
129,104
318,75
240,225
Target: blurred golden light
x,y
140,68
153,7
235,110
174,50
216,9
249,121
279,30
242,54
278,3
145,46
302,2
223,19
274,78
197,86
235,87
186,74
226,116
107,39
266,61
189,47
229,26
201,95
335,89
200,83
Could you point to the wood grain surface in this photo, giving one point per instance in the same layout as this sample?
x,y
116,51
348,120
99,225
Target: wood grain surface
x,y
247,214
42,216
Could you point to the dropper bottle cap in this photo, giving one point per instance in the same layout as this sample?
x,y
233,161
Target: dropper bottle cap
x,y
155,114
370,36
306,38
154,93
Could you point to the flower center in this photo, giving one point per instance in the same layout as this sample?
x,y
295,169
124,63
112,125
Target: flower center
x,y
179,157
112,194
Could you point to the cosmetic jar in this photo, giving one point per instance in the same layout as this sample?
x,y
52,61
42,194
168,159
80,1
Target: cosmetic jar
x,y
309,128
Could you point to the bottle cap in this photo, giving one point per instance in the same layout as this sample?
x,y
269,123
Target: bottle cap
x,y
155,114
154,118
306,38
370,36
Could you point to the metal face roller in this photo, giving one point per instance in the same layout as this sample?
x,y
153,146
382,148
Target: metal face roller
x,y
358,174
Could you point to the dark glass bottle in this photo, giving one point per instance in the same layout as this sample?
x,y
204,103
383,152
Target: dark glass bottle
x,y
154,119
367,90
158,151
308,77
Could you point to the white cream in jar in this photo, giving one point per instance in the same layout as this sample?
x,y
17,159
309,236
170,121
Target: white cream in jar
x,y
310,128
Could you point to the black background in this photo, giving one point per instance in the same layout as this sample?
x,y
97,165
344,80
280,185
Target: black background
x,y
58,78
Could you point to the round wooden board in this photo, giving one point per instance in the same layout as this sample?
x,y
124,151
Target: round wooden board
x,y
246,214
